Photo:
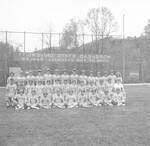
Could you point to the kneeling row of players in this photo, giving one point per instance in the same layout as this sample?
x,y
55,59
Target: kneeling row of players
x,y
69,100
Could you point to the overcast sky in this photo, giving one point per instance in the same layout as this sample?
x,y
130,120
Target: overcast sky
x,y
36,15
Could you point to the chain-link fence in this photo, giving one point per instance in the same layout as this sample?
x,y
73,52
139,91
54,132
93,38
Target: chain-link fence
x,y
126,55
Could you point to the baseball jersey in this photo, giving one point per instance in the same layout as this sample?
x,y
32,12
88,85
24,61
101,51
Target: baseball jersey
x,y
83,78
120,86
39,89
39,78
101,88
21,99
65,88
56,96
64,77
48,89
71,96
82,88
105,78
82,96
113,79
74,77
101,95
45,101
30,78
107,96
11,88
29,89
91,87
117,97
57,87
74,88
9,78
56,78
91,79
48,77
33,100
93,96
110,86
20,80
97,79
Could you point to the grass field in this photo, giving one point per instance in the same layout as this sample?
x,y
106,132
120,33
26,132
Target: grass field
x,y
115,126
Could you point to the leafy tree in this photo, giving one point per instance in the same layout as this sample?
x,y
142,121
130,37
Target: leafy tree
x,y
147,29
6,60
69,38
102,23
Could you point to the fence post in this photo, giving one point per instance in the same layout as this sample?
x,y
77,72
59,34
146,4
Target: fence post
x,y
123,55
24,42
83,51
42,40
5,58
6,37
92,52
142,72
83,40
5,62
50,42
59,40
76,63
141,61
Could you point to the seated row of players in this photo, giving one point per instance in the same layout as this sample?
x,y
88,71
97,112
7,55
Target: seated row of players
x,y
80,92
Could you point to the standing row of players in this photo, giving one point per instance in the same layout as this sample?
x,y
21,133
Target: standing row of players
x,y
64,90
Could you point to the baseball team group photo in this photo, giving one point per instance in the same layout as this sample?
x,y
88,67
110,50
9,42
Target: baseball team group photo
x,y
64,91
74,73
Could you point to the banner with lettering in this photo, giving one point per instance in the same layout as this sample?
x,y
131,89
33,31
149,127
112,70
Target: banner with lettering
x,y
61,57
